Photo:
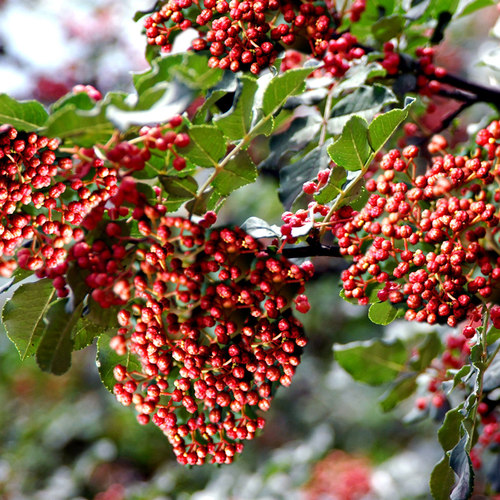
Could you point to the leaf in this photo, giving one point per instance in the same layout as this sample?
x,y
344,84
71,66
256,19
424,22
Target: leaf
x,y
259,228
466,7
237,121
358,75
388,27
239,171
107,359
54,351
301,132
169,99
23,315
84,334
461,464
403,387
293,176
22,115
382,313
491,378
449,432
207,145
179,190
365,102
382,127
374,361
427,351
195,73
333,187
281,87
417,10
352,149
442,480
84,128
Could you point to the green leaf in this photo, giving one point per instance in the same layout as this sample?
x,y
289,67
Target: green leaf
x,y
442,480
333,187
84,128
382,127
179,190
365,101
281,87
466,7
237,121
449,432
207,145
22,115
107,359
293,176
54,351
80,101
427,351
382,313
402,388
23,315
373,362
161,71
493,335
352,149
239,171
84,334
388,27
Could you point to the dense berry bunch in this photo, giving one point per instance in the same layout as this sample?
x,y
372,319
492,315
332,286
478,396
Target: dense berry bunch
x,y
427,241
211,323
250,34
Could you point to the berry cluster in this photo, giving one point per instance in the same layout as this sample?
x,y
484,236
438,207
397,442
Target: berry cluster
x,y
246,34
211,323
424,240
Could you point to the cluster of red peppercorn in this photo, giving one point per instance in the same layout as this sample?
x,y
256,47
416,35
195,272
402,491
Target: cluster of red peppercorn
x,y
211,323
245,34
427,241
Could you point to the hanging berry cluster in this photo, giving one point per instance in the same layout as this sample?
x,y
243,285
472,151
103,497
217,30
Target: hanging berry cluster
x,y
428,242
250,34
210,321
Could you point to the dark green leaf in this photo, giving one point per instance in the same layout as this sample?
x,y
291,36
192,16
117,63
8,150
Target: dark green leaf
x,y
427,351
442,480
387,28
207,145
293,176
23,315
179,190
298,135
23,115
237,121
449,432
54,351
382,127
365,102
105,317
107,359
238,172
402,388
352,149
382,313
461,464
84,334
195,73
358,75
373,362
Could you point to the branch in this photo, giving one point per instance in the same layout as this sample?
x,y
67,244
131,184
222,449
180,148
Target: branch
x,y
482,93
315,250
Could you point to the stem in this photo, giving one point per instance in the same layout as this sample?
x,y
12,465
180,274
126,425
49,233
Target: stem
x,y
480,376
482,93
315,250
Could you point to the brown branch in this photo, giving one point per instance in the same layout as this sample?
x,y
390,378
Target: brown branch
x,y
316,250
